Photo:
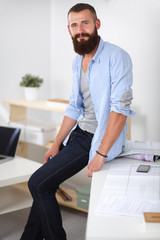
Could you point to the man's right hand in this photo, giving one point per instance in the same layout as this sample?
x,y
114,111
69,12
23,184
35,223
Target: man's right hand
x,y
67,125
51,152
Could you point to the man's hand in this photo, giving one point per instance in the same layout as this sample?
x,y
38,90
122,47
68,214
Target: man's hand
x,y
95,164
51,152
67,125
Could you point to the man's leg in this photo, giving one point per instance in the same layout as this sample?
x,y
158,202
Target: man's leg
x,y
33,229
45,181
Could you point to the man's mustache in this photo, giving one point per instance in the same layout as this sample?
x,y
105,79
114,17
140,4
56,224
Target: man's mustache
x,y
81,35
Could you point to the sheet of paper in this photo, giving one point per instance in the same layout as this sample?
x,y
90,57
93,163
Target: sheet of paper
x,y
126,206
127,192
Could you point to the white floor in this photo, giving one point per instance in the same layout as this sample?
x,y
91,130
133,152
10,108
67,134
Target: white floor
x,y
12,224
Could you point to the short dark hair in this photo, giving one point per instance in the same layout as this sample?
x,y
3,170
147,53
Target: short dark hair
x,y
82,6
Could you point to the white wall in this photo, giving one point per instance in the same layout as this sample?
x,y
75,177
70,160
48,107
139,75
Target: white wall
x,y
134,25
34,39
25,46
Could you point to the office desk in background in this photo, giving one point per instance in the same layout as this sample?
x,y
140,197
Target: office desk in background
x,y
14,174
116,227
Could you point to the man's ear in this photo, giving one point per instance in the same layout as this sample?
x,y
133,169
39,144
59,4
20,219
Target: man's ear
x,y
69,29
98,24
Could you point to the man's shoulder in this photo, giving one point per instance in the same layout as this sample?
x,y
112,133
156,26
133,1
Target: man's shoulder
x,y
113,50
112,47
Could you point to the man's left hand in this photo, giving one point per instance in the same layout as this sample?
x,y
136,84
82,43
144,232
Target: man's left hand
x,y
95,164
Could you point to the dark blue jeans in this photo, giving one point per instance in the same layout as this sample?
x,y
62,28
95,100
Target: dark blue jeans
x,y
45,220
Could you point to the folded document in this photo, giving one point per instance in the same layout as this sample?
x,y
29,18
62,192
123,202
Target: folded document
x,y
146,151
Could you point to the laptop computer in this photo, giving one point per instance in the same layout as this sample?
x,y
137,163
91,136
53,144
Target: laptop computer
x,y
8,142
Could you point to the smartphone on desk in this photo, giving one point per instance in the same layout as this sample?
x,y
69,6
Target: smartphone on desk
x,y
143,168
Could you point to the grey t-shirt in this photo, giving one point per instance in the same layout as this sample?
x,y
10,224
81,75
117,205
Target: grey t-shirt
x,y
88,122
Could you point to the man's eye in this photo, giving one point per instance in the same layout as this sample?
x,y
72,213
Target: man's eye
x,y
73,25
85,23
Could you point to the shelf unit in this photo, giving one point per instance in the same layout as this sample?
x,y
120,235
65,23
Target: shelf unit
x,y
18,197
18,111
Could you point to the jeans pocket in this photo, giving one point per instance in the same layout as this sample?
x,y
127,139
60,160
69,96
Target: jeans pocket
x,y
72,136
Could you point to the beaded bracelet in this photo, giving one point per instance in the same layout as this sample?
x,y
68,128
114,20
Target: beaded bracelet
x,y
101,154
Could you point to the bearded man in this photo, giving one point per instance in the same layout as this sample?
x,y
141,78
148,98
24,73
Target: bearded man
x,y
95,121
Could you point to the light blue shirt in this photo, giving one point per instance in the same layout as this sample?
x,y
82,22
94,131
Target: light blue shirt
x,y
109,81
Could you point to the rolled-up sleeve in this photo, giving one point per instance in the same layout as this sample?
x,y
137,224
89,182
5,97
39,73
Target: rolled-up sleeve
x,y
72,111
121,82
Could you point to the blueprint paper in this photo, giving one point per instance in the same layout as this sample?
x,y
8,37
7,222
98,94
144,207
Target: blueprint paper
x,y
129,193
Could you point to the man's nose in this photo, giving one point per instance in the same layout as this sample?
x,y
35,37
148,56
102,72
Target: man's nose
x,y
80,29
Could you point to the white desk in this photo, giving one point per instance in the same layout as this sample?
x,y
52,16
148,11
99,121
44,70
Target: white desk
x,y
13,192
116,227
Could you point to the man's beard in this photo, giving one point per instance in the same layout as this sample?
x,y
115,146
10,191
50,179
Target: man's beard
x,y
85,46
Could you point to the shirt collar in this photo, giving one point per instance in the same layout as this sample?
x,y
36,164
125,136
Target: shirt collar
x,y
96,57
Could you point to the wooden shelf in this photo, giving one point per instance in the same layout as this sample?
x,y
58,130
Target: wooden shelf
x,y
16,197
18,111
71,204
49,144
38,104
72,194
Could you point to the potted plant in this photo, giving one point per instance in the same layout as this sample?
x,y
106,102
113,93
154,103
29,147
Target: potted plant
x,y
31,84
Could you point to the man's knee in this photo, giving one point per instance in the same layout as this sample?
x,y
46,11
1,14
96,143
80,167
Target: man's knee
x,y
33,183
38,185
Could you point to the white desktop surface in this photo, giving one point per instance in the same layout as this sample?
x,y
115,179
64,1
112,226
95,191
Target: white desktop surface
x,y
13,173
16,171
116,227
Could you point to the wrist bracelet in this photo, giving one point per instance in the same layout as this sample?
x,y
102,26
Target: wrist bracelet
x,y
101,154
